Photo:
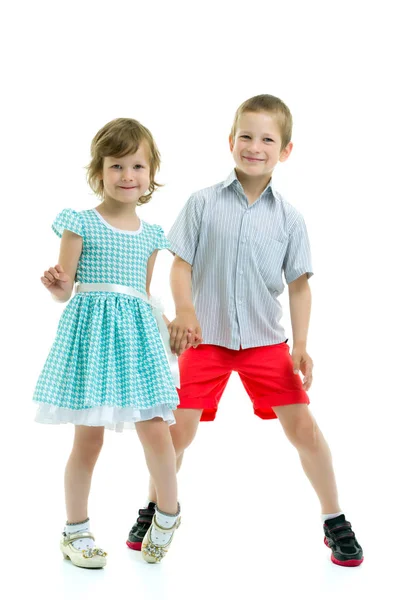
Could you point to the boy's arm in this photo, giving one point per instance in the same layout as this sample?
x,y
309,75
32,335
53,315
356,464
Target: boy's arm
x,y
185,328
300,310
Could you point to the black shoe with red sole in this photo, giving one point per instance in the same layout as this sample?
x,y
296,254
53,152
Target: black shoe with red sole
x,y
340,538
139,530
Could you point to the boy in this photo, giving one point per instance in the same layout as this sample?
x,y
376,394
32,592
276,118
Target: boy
x,y
231,243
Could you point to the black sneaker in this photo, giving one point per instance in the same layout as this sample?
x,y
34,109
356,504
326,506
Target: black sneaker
x,y
141,526
340,538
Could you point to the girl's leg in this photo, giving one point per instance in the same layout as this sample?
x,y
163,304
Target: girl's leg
x,y
88,442
160,457
182,433
303,432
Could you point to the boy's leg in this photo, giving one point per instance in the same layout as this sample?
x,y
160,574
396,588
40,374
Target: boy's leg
x,y
267,374
303,432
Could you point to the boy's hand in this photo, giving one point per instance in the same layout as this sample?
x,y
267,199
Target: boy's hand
x,y
302,362
56,281
184,331
193,340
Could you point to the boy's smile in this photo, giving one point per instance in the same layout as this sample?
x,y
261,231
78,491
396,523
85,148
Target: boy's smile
x,y
257,146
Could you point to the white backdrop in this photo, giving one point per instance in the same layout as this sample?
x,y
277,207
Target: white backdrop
x,y
250,518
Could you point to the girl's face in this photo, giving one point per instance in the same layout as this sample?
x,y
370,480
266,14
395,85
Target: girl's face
x,y
126,179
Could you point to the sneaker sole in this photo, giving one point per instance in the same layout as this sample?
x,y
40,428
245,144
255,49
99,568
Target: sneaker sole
x,y
353,562
134,545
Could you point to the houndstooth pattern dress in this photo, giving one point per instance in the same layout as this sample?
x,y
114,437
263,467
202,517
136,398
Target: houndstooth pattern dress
x,y
107,366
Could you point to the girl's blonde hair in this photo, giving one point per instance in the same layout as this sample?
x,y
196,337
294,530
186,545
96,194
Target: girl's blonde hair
x,y
270,104
119,138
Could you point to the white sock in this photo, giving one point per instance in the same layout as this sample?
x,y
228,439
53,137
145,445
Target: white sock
x,y
330,516
166,521
81,543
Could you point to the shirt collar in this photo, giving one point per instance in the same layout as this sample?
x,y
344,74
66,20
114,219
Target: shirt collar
x,y
232,179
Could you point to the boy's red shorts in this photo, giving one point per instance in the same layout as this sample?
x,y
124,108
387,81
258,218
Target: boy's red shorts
x,y
266,373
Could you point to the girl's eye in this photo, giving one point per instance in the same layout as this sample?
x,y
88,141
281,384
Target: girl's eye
x,y
139,167
116,167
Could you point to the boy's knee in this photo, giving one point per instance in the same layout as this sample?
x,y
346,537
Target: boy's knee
x,y
303,433
182,438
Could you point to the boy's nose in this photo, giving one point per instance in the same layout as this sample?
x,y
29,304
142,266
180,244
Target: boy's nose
x,y
254,146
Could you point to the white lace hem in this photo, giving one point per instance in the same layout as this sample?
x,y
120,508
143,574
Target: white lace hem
x,y
111,417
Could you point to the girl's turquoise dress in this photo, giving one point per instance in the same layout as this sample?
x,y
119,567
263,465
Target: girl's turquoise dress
x,y
108,365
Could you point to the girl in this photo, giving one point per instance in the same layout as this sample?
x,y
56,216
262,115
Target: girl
x,y
109,366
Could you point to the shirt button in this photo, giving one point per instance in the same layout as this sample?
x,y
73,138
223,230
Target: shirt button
x,y
240,302
241,272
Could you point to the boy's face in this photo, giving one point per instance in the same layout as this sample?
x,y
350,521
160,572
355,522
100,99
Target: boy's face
x,y
126,179
256,148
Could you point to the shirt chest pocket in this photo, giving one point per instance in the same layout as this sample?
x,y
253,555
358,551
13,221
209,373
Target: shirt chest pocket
x,y
268,256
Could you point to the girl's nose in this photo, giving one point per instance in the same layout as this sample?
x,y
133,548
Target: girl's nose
x,y
127,174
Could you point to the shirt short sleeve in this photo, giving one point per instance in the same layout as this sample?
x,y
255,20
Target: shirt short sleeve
x,y
297,260
68,219
184,234
162,243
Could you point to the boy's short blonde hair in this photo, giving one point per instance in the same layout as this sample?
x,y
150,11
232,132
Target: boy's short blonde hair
x,y
270,104
119,138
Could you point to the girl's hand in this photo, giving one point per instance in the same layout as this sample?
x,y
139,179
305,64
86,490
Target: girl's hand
x,y
57,281
302,362
183,330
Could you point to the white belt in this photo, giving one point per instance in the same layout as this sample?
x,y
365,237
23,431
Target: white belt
x,y
157,312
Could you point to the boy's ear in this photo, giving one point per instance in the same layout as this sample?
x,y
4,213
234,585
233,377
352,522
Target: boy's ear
x,y
231,142
286,152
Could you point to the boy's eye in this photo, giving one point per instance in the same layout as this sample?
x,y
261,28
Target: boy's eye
x,y
245,137
268,140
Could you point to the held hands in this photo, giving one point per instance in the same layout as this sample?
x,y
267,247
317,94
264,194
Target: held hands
x,y
302,362
185,332
57,281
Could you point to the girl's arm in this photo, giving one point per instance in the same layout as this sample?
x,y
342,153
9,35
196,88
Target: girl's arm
x,y
59,280
300,310
150,268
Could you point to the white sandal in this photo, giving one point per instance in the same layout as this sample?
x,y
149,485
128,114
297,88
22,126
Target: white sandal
x,y
154,553
90,558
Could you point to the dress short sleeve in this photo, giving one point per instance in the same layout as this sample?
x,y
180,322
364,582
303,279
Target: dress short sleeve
x,y
68,219
162,243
